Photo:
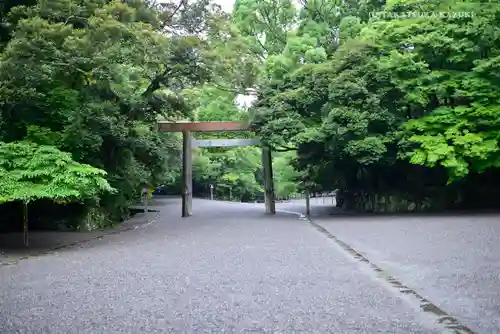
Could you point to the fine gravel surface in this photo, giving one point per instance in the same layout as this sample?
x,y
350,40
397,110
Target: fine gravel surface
x,y
452,260
227,269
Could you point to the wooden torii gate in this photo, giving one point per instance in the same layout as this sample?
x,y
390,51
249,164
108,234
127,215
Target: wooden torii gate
x,y
187,150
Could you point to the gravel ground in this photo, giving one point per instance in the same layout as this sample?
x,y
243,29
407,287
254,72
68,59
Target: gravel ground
x,y
452,260
228,269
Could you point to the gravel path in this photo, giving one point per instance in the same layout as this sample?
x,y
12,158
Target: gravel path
x,y
228,269
451,260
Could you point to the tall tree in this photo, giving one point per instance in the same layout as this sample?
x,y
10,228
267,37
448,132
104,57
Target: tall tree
x,y
92,78
397,87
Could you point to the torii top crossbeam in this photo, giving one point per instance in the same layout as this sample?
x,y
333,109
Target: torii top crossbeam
x,y
166,126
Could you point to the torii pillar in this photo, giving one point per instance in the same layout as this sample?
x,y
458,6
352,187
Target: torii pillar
x,y
187,173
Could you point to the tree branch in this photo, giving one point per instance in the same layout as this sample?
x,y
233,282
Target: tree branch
x,y
284,149
169,18
245,91
262,45
77,18
267,18
156,83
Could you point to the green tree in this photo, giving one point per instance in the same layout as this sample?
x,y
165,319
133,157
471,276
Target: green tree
x,y
97,75
398,100
29,172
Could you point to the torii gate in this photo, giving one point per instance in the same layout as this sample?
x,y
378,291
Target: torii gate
x,y
187,150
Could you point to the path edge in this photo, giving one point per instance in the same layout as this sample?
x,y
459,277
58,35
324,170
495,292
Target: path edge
x,y
441,318
104,233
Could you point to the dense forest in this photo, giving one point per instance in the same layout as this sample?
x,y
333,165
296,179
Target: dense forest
x,y
394,103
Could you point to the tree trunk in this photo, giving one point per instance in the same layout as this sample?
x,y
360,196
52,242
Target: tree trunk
x,y
25,222
308,204
146,210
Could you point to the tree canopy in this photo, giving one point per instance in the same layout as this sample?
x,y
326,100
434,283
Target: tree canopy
x,y
30,172
396,108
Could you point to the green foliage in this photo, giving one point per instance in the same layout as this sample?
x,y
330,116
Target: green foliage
x,y
29,172
390,103
92,78
449,137
284,175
